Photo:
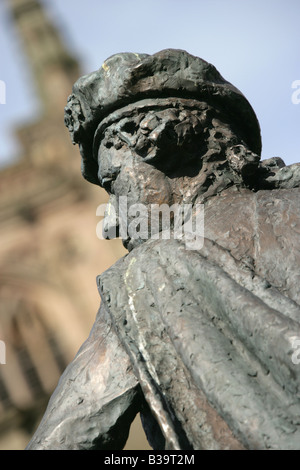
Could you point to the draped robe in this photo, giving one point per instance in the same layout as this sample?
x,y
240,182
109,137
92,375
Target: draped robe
x,y
201,342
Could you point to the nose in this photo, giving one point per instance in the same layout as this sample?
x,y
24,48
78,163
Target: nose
x,y
109,161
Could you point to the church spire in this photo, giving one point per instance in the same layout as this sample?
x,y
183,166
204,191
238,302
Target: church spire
x,y
54,69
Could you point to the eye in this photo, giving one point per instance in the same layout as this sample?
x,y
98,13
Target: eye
x,y
108,144
128,133
129,127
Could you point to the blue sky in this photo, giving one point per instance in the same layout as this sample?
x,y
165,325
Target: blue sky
x,y
255,44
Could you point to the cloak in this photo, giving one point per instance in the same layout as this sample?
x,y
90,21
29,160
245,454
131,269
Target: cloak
x,y
211,333
202,342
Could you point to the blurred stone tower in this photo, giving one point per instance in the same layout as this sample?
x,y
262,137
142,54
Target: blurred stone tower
x,y
53,71
49,252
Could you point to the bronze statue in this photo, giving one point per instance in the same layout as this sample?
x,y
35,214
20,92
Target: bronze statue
x,y
199,338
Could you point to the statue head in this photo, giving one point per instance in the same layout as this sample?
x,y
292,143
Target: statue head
x,y
162,128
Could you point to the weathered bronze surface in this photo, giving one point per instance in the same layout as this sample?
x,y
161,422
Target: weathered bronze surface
x,y
199,341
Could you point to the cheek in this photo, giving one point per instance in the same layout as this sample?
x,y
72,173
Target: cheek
x,y
144,184
110,161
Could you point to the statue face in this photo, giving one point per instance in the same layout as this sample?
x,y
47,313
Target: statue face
x,y
148,156
127,157
168,154
143,154
125,172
